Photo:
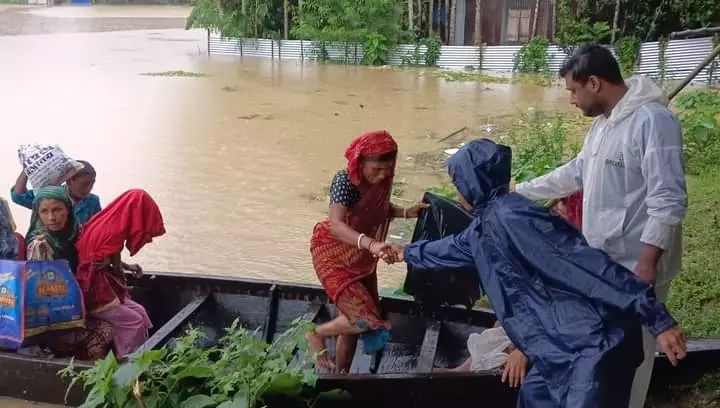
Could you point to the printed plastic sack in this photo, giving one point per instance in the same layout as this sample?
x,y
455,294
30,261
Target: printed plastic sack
x,y
12,301
454,286
47,165
37,297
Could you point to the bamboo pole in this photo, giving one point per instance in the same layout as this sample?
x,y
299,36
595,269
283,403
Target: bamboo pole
x,y
695,72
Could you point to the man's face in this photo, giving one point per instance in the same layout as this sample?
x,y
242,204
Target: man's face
x,y
586,96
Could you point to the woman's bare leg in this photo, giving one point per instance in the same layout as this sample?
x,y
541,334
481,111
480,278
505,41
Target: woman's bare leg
x,y
344,352
335,327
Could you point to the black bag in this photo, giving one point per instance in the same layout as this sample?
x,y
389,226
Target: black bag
x,y
434,288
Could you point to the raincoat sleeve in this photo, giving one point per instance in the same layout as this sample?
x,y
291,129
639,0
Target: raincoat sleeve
x,y
25,199
663,169
451,252
562,259
559,183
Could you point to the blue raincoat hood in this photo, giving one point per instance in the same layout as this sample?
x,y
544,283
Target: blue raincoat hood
x,y
574,312
481,171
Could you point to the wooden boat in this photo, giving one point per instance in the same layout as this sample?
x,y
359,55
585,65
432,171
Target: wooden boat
x,y
406,374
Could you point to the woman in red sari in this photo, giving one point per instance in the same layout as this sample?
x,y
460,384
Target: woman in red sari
x,y
345,247
132,221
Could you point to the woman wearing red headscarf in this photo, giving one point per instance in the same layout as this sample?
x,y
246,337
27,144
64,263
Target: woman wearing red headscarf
x,y
346,246
131,220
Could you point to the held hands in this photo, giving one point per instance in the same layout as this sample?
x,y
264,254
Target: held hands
x,y
390,253
672,342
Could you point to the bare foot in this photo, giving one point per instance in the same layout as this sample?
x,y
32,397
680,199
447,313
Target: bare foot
x,y
317,345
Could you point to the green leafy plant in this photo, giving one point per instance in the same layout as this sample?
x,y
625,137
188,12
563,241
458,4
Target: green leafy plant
x,y
433,46
236,373
540,144
373,23
627,50
376,49
532,57
699,114
237,18
572,31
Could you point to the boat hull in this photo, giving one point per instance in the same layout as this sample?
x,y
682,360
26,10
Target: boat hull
x,y
408,373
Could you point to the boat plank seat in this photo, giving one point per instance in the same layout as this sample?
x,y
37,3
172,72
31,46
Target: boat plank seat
x,y
429,347
172,325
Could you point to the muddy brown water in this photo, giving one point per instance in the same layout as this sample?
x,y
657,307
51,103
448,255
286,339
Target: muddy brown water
x,y
239,157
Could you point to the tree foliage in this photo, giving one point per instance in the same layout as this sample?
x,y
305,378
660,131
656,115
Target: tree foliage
x,y
376,24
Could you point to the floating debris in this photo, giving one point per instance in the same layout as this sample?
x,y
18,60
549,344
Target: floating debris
x,y
179,73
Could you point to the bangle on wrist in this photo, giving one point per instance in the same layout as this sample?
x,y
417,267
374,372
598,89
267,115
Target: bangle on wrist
x,y
359,241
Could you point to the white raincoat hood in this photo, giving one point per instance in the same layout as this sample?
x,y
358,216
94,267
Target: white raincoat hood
x,y
642,90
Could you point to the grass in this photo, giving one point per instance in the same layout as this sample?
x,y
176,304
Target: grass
x,y
13,2
695,295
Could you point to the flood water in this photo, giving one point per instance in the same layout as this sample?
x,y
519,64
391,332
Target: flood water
x,y
239,158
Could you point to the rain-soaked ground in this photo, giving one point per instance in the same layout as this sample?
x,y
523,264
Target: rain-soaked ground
x,y
238,154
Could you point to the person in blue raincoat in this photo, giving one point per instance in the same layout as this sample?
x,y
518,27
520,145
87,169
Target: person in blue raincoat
x,y
574,312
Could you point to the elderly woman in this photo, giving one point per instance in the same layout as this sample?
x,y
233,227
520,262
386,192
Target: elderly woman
x,y
52,235
345,247
131,220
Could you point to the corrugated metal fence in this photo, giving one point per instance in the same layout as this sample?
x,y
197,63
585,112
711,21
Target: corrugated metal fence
x,y
681,56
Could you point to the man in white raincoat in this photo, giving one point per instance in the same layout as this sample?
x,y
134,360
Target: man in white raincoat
x,y
631,171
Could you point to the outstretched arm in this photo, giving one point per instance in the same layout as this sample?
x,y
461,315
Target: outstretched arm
x,y
559,183
451,252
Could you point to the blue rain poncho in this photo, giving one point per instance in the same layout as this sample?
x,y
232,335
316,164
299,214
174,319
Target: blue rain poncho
x,y
574,312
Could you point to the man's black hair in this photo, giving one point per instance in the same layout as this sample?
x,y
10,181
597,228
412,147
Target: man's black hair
x,y
592,59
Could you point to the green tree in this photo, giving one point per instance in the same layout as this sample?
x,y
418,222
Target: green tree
x,y
376,24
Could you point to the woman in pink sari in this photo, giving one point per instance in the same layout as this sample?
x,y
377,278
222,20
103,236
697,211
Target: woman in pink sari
x,y
132,220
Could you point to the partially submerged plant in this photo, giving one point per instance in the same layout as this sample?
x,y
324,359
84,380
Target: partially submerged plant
x,y
236,373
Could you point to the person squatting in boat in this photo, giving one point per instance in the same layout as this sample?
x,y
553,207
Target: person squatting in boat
x,y
346,246
93,252
573,311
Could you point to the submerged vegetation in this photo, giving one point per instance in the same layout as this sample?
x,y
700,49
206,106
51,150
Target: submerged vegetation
x,y
176,73
238,373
